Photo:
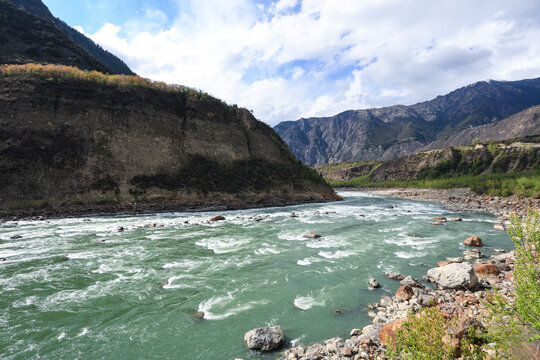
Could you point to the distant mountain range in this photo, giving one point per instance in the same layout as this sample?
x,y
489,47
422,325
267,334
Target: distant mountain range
x,y
396,131
30,33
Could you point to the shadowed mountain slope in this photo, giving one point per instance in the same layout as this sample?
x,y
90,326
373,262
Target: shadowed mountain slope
x,y
395,131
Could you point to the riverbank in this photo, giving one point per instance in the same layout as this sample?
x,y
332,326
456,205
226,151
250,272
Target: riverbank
x,y
149,207
461,294
460,199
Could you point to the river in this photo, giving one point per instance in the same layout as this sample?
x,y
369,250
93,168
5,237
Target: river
x,y
79,289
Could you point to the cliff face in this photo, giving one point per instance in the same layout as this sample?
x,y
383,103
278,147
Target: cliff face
x,y
396,131
79,142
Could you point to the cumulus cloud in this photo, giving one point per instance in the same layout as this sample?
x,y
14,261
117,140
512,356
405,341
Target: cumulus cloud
x,y
290,58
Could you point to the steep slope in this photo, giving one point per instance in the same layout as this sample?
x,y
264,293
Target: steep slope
x,y
27,38
523,123
71,139
391,132
111,63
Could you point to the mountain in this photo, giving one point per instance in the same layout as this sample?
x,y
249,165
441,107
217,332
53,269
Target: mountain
x,y
71,138
395,131
524,123
109,62
27,38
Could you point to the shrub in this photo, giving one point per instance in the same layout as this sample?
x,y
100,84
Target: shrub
x,y
421,338
526,236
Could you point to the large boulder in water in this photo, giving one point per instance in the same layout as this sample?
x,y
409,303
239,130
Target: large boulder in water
x,y
453,276
264,338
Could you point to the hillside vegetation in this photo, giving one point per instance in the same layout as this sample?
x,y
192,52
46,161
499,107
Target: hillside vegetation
x,y
510,167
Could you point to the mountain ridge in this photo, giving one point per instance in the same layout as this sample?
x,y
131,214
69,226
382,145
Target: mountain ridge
x,y
398,130
110,63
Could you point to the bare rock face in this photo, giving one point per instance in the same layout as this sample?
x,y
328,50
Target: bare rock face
x,y
90,143
473,241
454,276
264,338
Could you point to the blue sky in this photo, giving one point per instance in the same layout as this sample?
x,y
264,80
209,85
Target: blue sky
x,y
288,59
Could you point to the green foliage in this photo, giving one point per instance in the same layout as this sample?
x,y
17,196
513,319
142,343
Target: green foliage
x,y
525,184
347,165
526,236
421,338
493,148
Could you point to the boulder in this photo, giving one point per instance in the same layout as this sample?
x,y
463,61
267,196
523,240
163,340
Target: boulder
x,y
484,271
409,280
388,332
503,257
436,222
473,241
217,218
444,262
395,276
456,219
453,276
405,292
455,259
264,338
499,227
312,235
472,254
463,325
439,218
374,283
370,332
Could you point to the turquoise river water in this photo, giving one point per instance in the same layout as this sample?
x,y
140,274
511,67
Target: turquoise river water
x,y
108,301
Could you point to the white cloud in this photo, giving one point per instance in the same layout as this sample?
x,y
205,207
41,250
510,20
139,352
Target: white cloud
x,y
330,56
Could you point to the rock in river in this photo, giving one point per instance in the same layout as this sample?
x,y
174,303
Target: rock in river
x,y
473,241
395,276
264,338
374,283
217,218
453,276
312,235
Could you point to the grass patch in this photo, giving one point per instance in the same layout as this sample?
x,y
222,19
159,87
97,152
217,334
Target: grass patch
x,y
53,72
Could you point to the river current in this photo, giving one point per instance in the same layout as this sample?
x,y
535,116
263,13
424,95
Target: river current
x,y
79,289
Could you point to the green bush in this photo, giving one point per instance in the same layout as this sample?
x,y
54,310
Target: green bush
x,y
422,338
526,236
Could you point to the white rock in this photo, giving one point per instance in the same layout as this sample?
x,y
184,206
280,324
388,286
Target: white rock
x,y
454,276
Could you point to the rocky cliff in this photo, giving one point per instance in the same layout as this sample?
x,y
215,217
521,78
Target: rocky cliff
x,y
396,131
70,142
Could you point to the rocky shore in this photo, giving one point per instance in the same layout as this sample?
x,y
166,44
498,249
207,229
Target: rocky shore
x,y
461,199
137,208
460,292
